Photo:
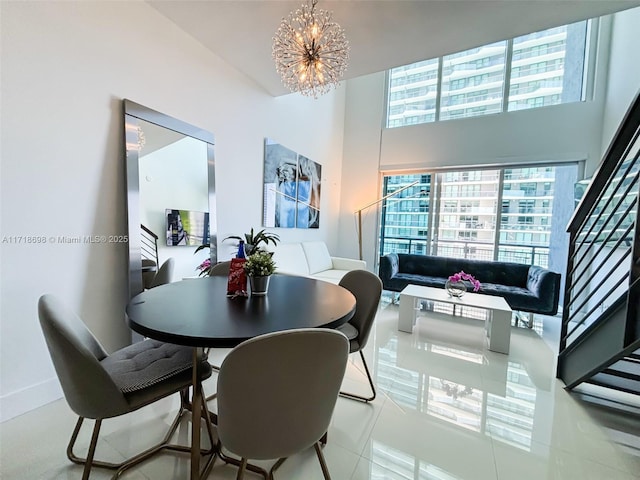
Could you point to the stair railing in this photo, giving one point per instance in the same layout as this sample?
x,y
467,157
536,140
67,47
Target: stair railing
x,y
149,244
603,267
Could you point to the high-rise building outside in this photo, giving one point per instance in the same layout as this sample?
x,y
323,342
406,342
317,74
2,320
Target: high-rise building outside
x,y
544,68
503,214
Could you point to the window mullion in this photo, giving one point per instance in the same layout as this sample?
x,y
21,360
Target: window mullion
x,y
383,221
439,89
590,58
436,194
496,233
507,76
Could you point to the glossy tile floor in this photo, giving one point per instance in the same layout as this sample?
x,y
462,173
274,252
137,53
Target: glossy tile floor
x,y
447,408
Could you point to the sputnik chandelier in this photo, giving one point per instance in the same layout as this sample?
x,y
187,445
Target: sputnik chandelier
x,y
142,140
310,51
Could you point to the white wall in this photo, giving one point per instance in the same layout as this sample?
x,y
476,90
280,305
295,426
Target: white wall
x,y
624,71
560,132
66,66
363,122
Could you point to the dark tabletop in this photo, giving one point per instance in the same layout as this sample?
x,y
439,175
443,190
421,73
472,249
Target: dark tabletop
x,y
197,312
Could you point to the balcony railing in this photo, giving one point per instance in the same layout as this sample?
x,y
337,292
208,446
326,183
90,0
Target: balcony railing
x,y
507,252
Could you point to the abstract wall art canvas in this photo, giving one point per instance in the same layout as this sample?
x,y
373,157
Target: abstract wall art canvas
x,y
291,188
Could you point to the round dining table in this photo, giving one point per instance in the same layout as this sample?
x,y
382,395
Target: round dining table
x,y
198,313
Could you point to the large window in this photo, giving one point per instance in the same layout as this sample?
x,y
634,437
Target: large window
x,y
545,68
500,214
467,229
473,82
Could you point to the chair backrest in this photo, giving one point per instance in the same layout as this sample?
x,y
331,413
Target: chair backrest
x,y
165,273
76,355
367,288
277,392
220,269
148,272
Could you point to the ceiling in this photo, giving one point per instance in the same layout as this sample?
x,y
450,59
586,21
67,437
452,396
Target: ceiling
x,y
382,33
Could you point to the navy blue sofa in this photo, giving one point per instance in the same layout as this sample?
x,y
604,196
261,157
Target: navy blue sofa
x,y
525,288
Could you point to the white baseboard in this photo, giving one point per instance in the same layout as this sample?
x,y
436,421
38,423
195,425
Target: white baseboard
x,y
23,401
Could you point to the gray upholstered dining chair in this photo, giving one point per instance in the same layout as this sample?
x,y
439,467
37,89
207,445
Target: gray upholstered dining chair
x,y
367,288
220,269
259,415
99,386
164,274
149,269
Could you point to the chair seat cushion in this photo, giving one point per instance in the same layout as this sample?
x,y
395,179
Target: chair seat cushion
x,y
142,370
349,331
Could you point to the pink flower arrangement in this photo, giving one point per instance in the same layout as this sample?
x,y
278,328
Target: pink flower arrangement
x,y
461,275
204,267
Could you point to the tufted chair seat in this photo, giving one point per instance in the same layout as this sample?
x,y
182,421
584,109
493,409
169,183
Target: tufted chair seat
x,y
145,370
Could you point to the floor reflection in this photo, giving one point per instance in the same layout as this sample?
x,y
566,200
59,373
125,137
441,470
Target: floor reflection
x,y
393,464
446,383
455,403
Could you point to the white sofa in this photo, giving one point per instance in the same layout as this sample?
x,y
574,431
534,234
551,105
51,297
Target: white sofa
x,y
312,259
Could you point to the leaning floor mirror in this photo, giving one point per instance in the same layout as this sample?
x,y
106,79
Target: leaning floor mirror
x,y
170,194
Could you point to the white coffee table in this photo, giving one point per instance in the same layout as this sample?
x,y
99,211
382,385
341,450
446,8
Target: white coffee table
x,y
498,323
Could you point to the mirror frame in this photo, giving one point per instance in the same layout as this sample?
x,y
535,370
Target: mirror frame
x,y
133,114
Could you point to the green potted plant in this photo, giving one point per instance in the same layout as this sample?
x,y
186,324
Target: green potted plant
x,y
259,267
252,241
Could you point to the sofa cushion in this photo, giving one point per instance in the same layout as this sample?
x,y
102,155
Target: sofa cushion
x,y
333,276
422,279
518,298
318,258
503,273
290,258
500,273
300,258
348,264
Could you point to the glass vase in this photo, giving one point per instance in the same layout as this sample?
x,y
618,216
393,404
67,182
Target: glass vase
x,y
455,289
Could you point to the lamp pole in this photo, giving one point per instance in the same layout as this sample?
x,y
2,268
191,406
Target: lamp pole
x,y
360,234
359,212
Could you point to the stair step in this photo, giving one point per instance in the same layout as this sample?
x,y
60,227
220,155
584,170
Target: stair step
x,y
616,382
625,368
634,356
608,398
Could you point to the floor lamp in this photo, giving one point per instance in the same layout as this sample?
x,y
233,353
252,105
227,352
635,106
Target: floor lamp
x,y
359,213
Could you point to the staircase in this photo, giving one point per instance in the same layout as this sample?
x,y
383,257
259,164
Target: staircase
x,y
600,335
